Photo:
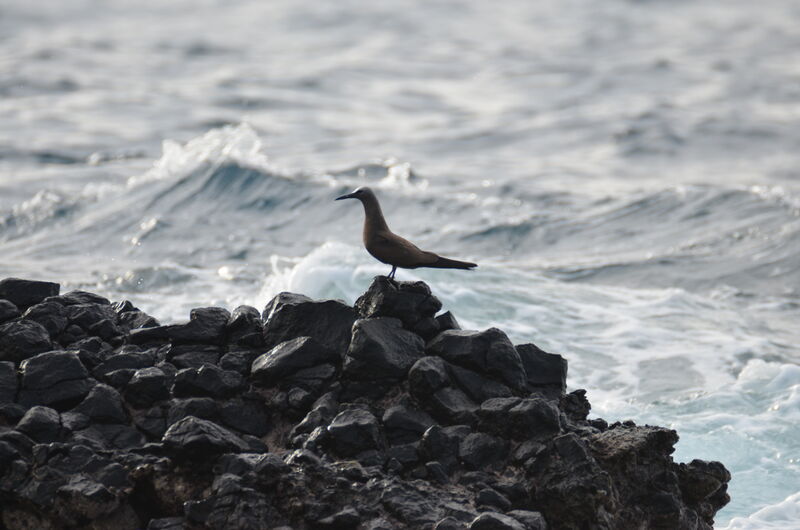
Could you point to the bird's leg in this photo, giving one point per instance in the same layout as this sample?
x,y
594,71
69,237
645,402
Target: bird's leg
x,y
391,274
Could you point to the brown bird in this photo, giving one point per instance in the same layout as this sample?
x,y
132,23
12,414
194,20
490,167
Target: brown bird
x,y
389,248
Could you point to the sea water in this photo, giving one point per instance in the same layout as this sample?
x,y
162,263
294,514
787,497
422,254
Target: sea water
x,y
626,173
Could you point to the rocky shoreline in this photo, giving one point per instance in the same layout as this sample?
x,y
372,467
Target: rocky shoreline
x,y
315,415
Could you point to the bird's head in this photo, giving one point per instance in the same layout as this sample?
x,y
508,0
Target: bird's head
x,y
361,194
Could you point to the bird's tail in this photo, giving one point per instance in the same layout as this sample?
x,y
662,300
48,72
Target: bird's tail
x,y
447,263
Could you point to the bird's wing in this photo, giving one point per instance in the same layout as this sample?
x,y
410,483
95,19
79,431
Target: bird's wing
x,y
393,249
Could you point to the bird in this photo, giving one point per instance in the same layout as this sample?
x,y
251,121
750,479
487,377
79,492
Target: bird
x,y
387,247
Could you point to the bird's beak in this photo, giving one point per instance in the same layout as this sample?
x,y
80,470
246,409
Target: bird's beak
x,y
348,196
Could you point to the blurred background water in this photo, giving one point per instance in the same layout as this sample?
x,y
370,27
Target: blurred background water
x,y
627,174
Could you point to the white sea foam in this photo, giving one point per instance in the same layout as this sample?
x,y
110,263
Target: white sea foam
x,y
784,515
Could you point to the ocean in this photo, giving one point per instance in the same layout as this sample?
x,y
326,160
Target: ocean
x,y
626,173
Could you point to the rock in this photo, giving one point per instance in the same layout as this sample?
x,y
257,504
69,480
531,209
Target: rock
x,y
447,321
245,327
569,486
90,315
346,518
10,414
312,379
410,302
576,406
196,438
41,424
451,406
8,311
167,523
103,405
79,297
288,357
25,293
126,359
354,431
441,444
289,316
130,320
193,355
477,387
487,352
428,375
21,339
152,422
55,379
92,351
367,453
489,498
495,521
449,523
146,387
480,450
8,382
52,316
208,380
246,415
381,352
119,378
542,368
206,325
203,408
239,361
86,499
530,520
231,505
533,419
406,455
404,424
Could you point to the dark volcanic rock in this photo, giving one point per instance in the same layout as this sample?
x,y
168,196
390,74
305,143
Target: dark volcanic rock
x,y
133,360
404,424
488,352
79,297
208,380
239,361
530,520
55,379
103,405
410,302
25,293
495,521
381,352
41,424
21,339
376,433
289,316
245,328
206,325
196,437
8,311
8,382
51,315
289,357
203,408
147,386
479,450
130,320
542,368
354,431
193,355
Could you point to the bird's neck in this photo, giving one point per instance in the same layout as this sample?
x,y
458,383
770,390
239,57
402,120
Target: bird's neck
x,y
373,218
